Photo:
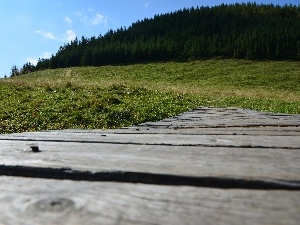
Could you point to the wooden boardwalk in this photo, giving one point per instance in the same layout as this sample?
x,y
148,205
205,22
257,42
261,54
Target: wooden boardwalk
x,y
206,166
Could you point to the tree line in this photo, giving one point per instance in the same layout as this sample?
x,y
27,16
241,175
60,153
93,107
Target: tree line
x,y
242,31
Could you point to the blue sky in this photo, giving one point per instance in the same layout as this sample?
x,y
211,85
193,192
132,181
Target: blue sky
x,y
32,29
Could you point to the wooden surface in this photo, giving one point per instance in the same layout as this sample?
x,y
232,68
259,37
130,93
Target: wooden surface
x,y
206,166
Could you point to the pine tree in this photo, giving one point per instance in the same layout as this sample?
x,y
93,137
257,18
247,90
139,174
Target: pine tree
x,y
245,30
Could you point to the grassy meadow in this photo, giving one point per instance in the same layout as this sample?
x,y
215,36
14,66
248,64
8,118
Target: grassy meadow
x,y
121,95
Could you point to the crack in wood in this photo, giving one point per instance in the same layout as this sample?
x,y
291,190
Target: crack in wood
x,y
160,144
149,178
183,126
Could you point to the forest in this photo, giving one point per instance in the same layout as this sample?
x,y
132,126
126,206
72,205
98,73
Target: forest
x,y
241,31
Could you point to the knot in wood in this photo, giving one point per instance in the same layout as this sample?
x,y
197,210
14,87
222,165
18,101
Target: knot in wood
x,y
32,148
54,205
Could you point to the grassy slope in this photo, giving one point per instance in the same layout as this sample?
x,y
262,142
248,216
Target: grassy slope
x,y
114,96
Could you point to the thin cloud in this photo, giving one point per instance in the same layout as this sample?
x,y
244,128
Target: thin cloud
x,y
98,19
82,17
79,14
46,55
68,20
147,4
70,35
48,35
34,61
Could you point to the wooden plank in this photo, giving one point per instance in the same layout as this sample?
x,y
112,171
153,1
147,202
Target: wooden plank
x,y
255,131
41,201
239,163
248,159
254,141
226,117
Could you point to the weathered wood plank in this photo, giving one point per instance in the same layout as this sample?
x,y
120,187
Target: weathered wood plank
x,y
258,126
207,147
254,141
241,163
255,131
41,201
225,117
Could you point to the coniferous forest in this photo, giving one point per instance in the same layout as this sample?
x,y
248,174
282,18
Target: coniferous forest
x,y
242,31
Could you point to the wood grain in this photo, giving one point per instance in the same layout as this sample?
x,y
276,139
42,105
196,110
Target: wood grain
x,y
206,166
242,163
41,201
251,141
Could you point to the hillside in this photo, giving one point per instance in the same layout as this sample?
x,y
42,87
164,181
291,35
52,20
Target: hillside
x,y
116,96
242,31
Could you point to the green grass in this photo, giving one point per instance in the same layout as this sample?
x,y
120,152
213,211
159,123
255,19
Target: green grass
x,y
116,96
